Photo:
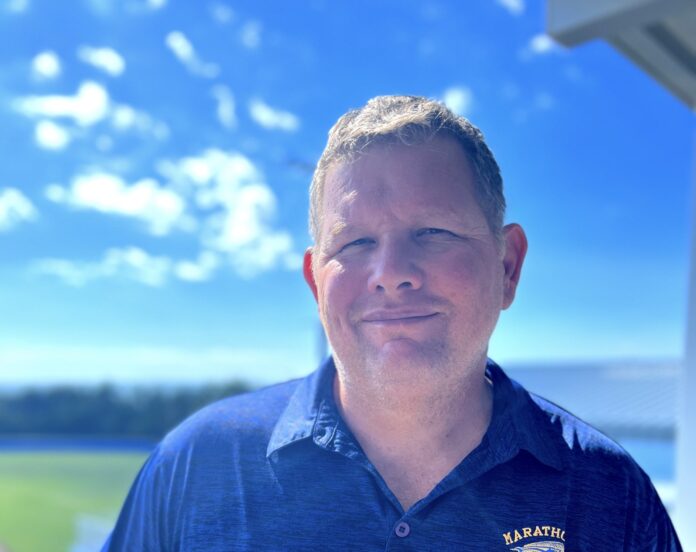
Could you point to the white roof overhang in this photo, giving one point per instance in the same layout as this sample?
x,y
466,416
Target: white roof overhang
x,y
657,35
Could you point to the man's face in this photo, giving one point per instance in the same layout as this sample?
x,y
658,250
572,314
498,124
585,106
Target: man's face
x,y
408,277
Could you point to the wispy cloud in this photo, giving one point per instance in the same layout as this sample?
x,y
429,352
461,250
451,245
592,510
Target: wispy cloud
x,y
124,117
156,4
46,65
238,210
222,13
199,270
515,7
539,45
221,195
17,6
51,136
159,208
459,99
15,208
131,263
272,118
250,35
184,51
225,106
536,103
88,106
105,59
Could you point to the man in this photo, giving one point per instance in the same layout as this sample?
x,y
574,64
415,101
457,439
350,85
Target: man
x,y
408,438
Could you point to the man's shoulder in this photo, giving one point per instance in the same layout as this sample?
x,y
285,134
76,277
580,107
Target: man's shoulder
x,y
583,446
603,475
243,419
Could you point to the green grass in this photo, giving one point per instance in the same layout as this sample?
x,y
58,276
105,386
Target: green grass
x,y
42,494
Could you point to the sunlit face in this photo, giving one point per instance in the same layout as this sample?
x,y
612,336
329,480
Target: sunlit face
x,y
408,277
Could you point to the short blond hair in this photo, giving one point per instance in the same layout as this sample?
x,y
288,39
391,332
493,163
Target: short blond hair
x,y
409,120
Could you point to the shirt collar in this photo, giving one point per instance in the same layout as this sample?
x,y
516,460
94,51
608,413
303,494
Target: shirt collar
x,y
311,411
517,421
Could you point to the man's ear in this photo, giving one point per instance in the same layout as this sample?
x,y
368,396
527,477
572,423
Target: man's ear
x,y
308,272
515,251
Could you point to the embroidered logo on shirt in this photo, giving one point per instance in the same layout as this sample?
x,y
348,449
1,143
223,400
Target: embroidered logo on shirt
x,y
526,533
544,546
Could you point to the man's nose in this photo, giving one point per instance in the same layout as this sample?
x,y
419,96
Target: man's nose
x,y
396,266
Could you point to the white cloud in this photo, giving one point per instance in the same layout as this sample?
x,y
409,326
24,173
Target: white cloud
x,y
131,263
184,51
239,210
123,117
156,4
271,118
15,208
88,106
46,65
221,13
48,135
459,99
534,104
250,34
515,7
235,211
539,45
105,59
55,193
199,270
160,208
225,106
17,6
138,265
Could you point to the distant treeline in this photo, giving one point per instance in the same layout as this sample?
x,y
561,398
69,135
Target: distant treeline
x,y
106,410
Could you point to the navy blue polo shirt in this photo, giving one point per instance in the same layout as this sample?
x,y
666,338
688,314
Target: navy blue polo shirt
x,y
278,469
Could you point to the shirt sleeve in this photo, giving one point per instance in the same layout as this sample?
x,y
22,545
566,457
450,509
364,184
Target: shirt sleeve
x,y
661,536
650,528
141,522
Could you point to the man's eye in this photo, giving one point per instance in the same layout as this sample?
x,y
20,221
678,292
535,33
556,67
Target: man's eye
x,y
356,243
433,232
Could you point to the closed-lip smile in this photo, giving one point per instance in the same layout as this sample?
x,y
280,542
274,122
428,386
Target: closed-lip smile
x,y
398,316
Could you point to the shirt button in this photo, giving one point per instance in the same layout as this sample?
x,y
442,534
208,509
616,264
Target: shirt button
x,y
403,529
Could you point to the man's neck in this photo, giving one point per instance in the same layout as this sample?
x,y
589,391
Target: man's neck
x,y
415,440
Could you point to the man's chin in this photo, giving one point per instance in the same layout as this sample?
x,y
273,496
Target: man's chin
x,y
405,354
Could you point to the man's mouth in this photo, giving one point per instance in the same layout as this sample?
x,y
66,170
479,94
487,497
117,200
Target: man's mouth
x,y
398,317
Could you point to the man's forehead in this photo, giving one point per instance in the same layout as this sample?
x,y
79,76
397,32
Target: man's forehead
x,y
344,212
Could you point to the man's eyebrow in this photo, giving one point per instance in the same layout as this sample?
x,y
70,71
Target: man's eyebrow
x,y
340,225
337,228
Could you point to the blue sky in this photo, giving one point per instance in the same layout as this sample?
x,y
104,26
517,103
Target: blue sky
x,y
157,153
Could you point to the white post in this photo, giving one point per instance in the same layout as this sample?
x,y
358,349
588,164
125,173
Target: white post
x,y
685,519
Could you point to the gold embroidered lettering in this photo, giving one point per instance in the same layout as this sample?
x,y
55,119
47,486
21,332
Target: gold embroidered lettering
x,y
556,532
508,537
517,536
526,532
537,532
546,530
